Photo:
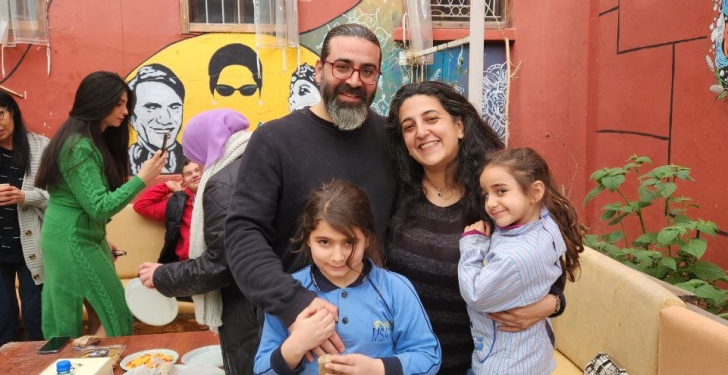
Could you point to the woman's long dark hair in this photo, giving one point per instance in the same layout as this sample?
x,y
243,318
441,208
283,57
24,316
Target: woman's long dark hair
x,y
21,148
479,140
527,166
97,95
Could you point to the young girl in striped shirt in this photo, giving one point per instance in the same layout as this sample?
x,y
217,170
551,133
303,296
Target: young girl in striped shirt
x,y
535,241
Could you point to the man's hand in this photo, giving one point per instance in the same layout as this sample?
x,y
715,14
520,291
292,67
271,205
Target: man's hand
x,y
9,194
356,364
333,345
146,273
311,328
522,318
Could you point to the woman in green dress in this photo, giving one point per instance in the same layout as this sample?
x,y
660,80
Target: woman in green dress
x,y
85,171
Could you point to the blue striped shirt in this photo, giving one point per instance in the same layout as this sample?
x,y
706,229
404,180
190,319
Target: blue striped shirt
x,y
514,268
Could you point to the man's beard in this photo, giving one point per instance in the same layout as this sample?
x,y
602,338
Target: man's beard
x,y
346,116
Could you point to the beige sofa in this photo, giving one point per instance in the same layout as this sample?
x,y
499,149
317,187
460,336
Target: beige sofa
x,y
142,239
647,329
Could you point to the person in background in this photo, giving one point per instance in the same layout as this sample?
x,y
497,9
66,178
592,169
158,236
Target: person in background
x,y
339,137
215,140
383,325
437,142
172,202
535,242
85,171
22,207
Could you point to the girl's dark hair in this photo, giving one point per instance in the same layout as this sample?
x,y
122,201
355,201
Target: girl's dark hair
x,y
527,166
479,139
21,148
97,95
345,207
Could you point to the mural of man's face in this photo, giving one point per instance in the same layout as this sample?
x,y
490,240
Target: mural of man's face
x,y
303,94
236,89
158,111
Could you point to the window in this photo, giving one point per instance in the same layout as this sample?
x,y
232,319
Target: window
x,y
455,14
23,21
231,15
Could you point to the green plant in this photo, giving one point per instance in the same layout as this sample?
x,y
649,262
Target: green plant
x,y
674,252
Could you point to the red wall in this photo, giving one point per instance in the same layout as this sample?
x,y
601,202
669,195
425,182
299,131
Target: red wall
x,y
85,36
601,81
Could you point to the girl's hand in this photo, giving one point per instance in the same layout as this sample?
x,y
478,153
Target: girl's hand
x,y
146,273
356,364
153,167
522,318
312,328
9,194
481,226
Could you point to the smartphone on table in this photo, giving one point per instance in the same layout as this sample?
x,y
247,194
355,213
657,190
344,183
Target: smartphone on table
x,y
54,345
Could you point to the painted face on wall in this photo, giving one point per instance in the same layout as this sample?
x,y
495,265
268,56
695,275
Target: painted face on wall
x,y
236,89
303,89
158,110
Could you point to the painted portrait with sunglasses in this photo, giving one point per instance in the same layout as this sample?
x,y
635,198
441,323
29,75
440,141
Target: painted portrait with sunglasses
x,y
235,77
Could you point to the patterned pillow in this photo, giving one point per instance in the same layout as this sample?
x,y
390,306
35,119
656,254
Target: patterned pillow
x,y
604,364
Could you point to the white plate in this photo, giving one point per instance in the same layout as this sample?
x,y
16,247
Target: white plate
x,y
206,355
148,305
124,362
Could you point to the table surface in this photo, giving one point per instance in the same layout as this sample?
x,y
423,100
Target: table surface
x,y
22,358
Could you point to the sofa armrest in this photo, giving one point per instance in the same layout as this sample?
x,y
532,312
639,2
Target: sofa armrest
x,y
691,344
615,309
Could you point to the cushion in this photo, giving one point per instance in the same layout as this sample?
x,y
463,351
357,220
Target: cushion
x,y
604,364
564,366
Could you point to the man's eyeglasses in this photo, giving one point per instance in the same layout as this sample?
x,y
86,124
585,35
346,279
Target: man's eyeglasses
x,y
344,70
245,90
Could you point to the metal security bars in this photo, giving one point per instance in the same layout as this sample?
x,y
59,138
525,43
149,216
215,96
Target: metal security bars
x,y
456,13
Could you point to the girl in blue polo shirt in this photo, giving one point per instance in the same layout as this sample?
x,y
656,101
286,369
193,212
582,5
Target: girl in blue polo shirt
x,y
381,320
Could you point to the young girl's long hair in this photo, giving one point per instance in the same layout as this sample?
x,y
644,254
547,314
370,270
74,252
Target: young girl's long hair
x,y
21,148
345,207
96,97
527,166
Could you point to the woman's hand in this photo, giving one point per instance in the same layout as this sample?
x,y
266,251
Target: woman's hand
x,y
522,318
481,226
152,167
356,364
146,273
9,194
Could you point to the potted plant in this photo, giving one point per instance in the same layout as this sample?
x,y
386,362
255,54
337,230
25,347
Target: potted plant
x,y
674,252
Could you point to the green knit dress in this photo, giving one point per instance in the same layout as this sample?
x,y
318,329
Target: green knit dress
x,y
77,260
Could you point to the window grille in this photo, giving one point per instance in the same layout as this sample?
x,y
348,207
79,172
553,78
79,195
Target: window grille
x,y
238,16
456,13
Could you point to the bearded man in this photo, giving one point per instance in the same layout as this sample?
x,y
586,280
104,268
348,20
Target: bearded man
x,y
339,137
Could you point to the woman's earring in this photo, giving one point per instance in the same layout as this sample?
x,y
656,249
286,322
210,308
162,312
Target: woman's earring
x,y
461,135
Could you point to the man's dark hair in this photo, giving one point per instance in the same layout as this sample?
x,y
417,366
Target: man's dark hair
x,y
349,29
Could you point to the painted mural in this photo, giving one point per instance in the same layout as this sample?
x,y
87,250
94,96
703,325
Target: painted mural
x,y
227,71
718,58
214,71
